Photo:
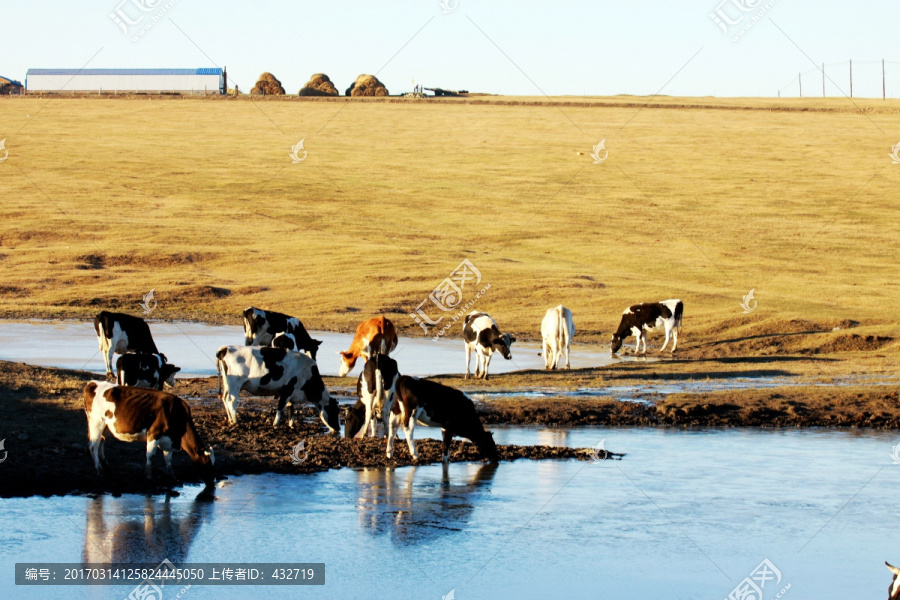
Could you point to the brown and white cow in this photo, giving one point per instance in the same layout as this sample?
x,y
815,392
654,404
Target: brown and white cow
x,y
145,370
262,326
435,405
374,336
894,588
638,319
289,376
134,414
481,335
121,333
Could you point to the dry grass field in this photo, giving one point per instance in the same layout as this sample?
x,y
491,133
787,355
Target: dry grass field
x,y
702,199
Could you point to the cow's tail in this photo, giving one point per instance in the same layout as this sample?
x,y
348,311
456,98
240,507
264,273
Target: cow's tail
x,y
562,332
219,365
679,311
379,392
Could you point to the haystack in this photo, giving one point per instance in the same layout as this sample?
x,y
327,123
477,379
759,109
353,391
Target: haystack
x,y
367,85
268,85
319,85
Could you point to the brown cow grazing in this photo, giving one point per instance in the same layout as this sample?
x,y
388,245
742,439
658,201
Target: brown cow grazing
x,y
375,336
135,414
435,405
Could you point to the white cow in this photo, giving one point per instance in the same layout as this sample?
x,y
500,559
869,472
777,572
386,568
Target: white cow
x,y
557,331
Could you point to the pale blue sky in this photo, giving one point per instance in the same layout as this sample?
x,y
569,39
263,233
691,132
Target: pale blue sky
x,y
598,47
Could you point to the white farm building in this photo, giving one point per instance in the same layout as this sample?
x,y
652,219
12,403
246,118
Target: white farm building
x,y
209,80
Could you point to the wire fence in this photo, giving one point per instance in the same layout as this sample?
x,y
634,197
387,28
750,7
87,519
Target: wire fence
x,y
856,79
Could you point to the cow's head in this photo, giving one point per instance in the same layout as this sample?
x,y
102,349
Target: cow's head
x,y
894,588
615,343
348,361
502,343
167,374
488,447
353,422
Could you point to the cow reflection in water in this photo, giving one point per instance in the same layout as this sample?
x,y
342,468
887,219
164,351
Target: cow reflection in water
x,y
120,533
411,510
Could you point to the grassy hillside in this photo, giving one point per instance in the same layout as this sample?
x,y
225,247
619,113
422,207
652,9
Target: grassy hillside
x,y
106,198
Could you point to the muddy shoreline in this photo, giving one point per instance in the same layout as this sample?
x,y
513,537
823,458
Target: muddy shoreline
x,y
42,421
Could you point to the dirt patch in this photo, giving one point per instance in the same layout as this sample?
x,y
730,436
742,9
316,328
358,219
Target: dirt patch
x,y
852,343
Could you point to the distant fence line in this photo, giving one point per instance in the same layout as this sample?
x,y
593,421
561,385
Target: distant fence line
x,y
840,77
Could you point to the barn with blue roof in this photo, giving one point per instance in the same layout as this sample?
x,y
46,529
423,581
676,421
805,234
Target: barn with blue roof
x,y
185,81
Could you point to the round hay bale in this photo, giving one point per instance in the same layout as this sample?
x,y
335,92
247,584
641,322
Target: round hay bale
x,y
320,82
310,91
268,85
367,85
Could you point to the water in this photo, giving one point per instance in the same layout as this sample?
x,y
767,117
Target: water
x,y
687,514
192,346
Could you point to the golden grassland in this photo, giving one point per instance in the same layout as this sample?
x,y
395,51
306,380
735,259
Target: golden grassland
x,y
702,199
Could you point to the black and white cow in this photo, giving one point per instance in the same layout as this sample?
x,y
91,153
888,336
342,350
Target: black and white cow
x,y
289,376
375,390
145,370
482,336
121,333
637,320
435,405
261,327
894,588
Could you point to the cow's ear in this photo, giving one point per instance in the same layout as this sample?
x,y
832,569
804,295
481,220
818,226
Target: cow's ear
x,y
892,568
176,369
512,339
317,343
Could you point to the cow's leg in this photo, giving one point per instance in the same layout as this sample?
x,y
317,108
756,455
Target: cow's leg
x,y
408,429
108,356
566,347
151,450
487,363
445,445
229,399
545,350
666,343
282,400
392,424
290,414
468,360
674,338
165,445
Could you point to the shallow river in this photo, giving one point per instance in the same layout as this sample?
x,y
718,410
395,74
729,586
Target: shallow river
x,y
192,346
686,514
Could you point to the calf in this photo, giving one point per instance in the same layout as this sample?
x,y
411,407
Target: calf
x,y
375,389
145,370
121,333
374,336
262,326
436,405
641,318
135,414
557,330
482,336
894,588
289,376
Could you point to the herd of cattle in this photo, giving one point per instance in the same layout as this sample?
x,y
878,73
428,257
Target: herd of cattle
x,y
278,359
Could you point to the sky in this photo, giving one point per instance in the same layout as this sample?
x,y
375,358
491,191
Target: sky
x,y
517,47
